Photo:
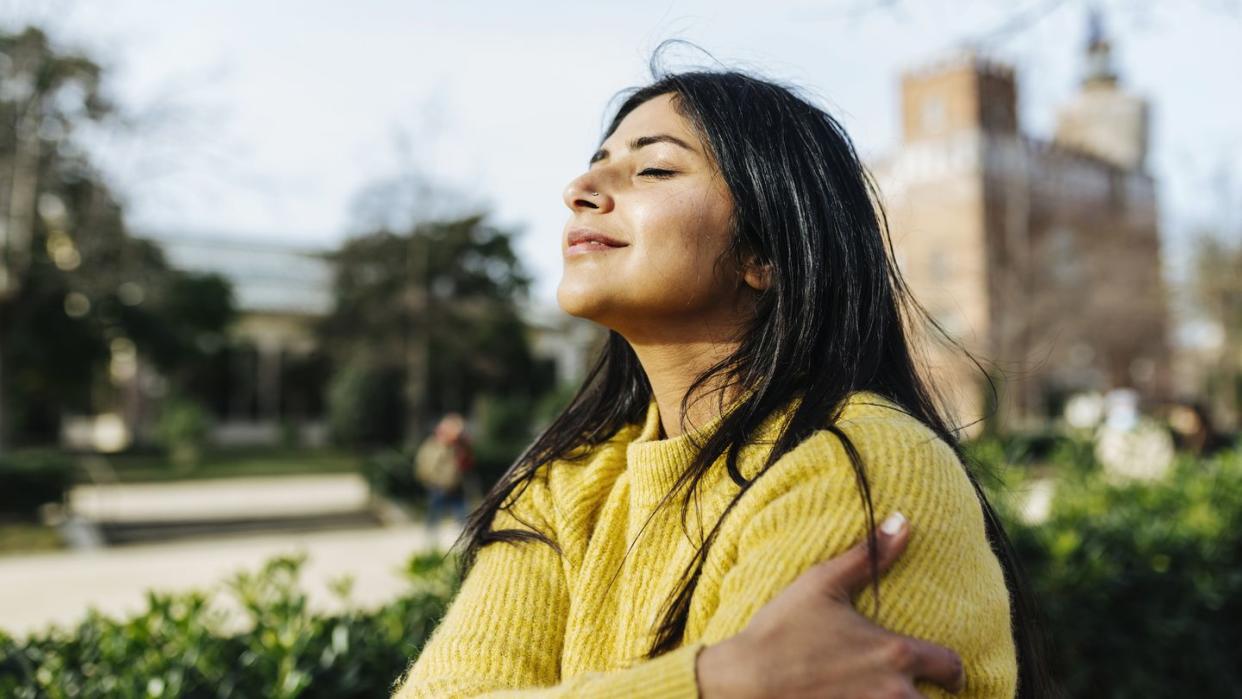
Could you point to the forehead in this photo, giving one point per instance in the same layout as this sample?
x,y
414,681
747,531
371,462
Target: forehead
x,y
655,116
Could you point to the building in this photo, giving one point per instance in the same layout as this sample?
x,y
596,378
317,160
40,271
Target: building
x,y
275,374
1042,258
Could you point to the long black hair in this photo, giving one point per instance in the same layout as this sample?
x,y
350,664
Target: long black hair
x,y
834,320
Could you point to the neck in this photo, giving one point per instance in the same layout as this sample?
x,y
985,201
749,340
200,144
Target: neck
x,y
671,366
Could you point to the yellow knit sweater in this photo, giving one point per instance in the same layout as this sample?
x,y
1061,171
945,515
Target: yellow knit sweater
x,y
534,624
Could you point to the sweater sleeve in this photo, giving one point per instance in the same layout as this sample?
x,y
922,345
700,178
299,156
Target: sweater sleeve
x,y
503,633
947,587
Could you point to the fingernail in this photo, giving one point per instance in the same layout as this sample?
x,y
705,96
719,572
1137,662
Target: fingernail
x,y
893,524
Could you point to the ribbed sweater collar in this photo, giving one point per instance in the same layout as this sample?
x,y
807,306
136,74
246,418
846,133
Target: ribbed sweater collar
x,y
655,464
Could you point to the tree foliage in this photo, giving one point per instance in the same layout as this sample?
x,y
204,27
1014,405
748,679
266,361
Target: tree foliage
x,y
75,282
431,316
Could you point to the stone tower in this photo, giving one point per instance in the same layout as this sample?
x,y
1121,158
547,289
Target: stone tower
x,y
964,93
1104,120
1041,258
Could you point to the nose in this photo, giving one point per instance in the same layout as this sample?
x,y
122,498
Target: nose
x,y
584,193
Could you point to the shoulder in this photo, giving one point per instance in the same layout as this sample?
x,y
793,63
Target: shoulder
x,y
901,465
810,506
896,452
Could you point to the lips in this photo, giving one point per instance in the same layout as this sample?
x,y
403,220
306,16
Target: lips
x,y
583,235
584,240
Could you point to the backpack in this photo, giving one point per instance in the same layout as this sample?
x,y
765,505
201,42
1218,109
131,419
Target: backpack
x,y
435,466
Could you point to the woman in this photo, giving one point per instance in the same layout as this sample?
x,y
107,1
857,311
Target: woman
x,y
689,526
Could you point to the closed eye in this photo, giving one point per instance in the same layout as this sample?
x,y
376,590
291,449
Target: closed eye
x,y
657,173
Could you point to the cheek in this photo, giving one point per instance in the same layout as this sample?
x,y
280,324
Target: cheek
x,y
670,268
681,240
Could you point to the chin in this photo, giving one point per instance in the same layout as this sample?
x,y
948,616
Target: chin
x,y
576,302
584,301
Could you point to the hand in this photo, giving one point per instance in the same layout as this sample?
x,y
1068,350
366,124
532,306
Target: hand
x,y
809,641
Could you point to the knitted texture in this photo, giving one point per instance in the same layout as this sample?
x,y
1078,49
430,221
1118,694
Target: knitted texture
x,y
529,622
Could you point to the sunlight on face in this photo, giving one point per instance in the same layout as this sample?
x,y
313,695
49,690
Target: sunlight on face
x,y
654,193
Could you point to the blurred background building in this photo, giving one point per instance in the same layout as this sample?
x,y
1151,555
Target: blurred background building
x,y
273,370
1041,258
270,378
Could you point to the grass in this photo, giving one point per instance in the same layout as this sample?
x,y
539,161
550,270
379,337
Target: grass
x,y
26,537
231,463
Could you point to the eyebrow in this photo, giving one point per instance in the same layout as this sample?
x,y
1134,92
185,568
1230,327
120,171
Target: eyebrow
x,y
643,141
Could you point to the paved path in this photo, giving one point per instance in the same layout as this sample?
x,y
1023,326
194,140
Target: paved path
x,y
57,588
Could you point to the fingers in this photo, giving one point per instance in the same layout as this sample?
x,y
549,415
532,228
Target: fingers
x,y
893,534
914,659
891,687
850,572
923,660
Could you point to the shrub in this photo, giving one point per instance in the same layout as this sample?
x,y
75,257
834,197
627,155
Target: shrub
x,y
365,404
31,478
390,473
504,431
1141,582
183,429
181,646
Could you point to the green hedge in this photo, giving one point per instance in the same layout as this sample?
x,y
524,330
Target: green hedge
x,y
1141,584
30,479
390,473
180,646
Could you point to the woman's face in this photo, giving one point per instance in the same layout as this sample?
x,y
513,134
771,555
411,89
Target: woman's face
x,y
653,190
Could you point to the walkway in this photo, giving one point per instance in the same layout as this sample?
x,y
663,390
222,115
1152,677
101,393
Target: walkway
x,y
58,587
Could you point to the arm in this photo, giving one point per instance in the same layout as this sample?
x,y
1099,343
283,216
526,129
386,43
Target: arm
x,y
811,513
947,588
505,628
857,659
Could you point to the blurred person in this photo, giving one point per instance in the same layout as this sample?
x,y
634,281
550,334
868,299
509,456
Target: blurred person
x,y
701,520
443,461
1193,431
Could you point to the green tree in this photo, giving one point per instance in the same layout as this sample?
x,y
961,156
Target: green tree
x,y
435,309
44,95
75,287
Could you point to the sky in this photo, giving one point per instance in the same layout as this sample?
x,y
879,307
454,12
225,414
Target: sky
x,y
264,119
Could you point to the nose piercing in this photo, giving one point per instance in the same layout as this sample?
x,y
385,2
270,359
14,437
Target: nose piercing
x,y
595,194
